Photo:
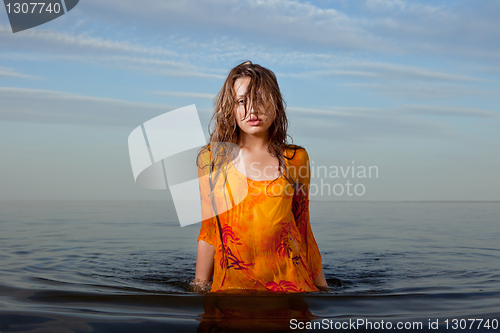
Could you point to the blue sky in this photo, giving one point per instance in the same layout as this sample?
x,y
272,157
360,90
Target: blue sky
x,y
411,87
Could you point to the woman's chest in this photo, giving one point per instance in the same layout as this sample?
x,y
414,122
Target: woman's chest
x,y
262,216
258,166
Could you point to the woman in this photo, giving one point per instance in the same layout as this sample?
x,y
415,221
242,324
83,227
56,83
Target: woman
x,y
264,240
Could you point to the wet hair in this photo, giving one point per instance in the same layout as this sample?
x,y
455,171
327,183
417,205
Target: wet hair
x,y
263,93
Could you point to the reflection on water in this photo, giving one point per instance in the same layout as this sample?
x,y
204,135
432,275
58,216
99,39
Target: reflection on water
x,y
126,267
252,314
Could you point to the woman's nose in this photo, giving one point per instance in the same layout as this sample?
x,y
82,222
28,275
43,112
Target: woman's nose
x,y
253,111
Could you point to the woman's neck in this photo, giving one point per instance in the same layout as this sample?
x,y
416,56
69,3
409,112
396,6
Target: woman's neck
x,y
253,143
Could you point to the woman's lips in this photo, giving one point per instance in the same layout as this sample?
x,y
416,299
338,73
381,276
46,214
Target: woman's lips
x,y
254,122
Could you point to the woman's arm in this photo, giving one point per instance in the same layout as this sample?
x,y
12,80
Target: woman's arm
x,y
204,267
320,280
300,210
206,251
204,261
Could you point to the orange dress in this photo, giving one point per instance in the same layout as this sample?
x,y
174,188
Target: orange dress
x,y
266,234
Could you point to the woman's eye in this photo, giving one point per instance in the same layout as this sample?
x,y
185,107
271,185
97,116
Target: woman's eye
x,y
241,101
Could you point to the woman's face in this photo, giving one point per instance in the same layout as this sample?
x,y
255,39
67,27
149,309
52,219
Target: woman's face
x,y
255,122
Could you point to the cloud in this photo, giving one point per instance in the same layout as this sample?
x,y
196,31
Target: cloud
x,y
213,33
313,74
9,72
59,41
465,30
382,26
46,106
400,6
402,71
278,22
450,111
242,29
415,90
33,45
334,111
183,94
339,124
379,70
162,67
383,113
366,126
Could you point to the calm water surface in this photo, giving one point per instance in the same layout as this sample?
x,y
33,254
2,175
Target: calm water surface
x,y
125,267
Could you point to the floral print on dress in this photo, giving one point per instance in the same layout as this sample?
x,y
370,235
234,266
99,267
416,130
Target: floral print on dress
x,y
228,236
282,286
299,206
235,262
288,246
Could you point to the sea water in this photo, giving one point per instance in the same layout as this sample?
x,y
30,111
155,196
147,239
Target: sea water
x,y
125,266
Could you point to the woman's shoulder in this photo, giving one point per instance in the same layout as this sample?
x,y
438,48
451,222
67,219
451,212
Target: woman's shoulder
x,y
204,156
296,155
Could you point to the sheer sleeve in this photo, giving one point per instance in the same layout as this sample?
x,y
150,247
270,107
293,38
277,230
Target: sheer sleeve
x,y
300,210
207,231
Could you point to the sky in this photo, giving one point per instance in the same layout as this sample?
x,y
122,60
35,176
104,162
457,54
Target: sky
x,y
409,88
